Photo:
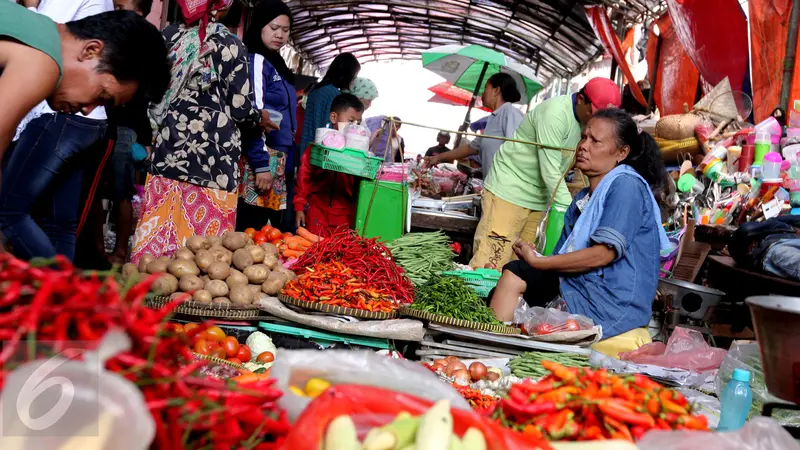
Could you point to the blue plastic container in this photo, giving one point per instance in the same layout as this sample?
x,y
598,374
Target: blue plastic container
x,y
737,398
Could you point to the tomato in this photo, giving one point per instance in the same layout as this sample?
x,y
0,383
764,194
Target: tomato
x,y
287,235
244,353
573,325
543,328
189,326
231,346
218,352
201,346
215,333
176,327
277,242
273,234
260,235
235,360
266,229
258,240
265,357
250,232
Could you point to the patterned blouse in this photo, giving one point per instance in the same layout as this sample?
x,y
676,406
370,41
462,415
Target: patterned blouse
x,y
199,140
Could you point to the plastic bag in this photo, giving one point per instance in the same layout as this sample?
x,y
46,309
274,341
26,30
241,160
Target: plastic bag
x,y
748,357
296,367
686,349
538,321
761,433
370,407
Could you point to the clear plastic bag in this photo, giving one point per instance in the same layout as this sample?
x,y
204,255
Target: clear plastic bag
x,y
748,357
686,349
296,367
761,433
538,321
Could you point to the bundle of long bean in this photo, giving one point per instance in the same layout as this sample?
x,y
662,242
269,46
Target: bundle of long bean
x,y
529,365
422,255
452,297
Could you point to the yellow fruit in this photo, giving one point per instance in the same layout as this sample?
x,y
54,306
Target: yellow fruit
x,y
316,386
297,391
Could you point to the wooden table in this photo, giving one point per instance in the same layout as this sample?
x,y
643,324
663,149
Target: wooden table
x,y
739,283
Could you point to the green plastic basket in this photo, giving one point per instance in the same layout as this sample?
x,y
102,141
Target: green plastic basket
x,y
349,161
482,281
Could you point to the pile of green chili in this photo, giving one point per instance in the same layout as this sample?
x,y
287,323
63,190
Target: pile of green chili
x,y
452,297
422,255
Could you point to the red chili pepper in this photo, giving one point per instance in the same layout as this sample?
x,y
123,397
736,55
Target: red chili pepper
x,y
563,373
527,411
625,414
670,406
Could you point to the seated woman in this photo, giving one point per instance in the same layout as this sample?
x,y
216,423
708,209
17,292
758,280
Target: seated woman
x,y
606,263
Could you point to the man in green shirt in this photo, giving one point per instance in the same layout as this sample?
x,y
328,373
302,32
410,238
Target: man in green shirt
x,y
524,177
102,60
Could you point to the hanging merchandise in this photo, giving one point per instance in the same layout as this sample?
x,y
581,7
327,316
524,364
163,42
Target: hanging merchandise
x,y
676,76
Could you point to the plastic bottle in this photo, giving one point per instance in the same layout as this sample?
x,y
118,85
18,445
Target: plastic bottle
x,y
763,145
736,401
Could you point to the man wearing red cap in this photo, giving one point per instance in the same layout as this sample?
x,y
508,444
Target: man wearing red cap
x,y
524,177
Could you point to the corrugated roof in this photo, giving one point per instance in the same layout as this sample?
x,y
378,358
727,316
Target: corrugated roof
x,y
551,36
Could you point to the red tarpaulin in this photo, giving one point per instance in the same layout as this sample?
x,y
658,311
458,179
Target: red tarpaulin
x,y
453,95
769,30
676,82
605,32
714,35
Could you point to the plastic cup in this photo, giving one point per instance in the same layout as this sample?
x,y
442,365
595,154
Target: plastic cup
x,y
746,157
688,183
732,160
763,146
275,117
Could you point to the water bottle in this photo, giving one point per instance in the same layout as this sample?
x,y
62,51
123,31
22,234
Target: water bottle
x,y
736,401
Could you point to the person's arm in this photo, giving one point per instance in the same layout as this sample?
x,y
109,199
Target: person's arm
x,y
580,261
232,58
464,151
28,77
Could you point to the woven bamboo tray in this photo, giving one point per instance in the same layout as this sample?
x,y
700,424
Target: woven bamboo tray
x,y
193,308
437,318
216,360
338,310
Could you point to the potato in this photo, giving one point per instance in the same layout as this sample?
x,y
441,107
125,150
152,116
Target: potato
x,y
181,267
234,241
274,283
257,253
213,240
221,254
197,243
217,288
146,259
242,259
129,271
182,296
289,274
236,278
203,259
166,284
202,296
190,283
257,273
271,261
166,259
157,266
219,270
240,295
270,249
205,279
221,302
255,291
184,253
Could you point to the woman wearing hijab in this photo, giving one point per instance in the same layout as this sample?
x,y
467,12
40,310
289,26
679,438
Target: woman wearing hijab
x,y
269,167
365,90
194,173
340,76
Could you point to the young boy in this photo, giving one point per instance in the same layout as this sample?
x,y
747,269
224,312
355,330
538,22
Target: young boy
x,y
323,199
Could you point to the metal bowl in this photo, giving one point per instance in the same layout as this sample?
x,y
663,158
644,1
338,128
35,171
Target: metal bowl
x,y
777,324
693,300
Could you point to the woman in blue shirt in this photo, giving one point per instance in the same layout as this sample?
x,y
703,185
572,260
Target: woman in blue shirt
x,y
340,75
607,261
269,167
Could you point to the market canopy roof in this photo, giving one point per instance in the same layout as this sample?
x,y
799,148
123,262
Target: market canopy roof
x,y
552,37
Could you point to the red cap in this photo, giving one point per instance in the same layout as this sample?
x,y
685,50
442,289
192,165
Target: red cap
x,y
603,93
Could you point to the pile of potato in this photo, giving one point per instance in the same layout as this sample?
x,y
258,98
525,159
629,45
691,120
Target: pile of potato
x,y
220,271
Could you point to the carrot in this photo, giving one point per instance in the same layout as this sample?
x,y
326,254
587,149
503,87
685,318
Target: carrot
x,y
292,244
302,232
305,243
292,253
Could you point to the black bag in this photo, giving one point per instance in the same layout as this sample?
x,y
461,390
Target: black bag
x,y
751,241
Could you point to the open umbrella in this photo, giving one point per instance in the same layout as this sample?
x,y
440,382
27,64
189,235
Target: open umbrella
x,y
468,66
451,95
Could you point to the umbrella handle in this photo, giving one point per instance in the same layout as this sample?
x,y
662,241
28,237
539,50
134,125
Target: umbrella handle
x,y
472,103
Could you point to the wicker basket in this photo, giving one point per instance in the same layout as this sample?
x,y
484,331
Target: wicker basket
x,y
193,308
445,320
338,310
353,162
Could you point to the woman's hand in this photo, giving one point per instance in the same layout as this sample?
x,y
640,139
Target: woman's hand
x,y
524,251
266,123
300,218
264,181
430,162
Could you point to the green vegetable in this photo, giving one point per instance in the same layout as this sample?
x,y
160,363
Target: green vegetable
x,y
422,255
452,297
529,365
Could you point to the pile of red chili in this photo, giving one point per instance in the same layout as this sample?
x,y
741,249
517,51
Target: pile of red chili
x,y
335,284
367,258
584,404
481,403
61,304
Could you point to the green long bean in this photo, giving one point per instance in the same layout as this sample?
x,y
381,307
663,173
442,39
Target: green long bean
x,y
529,365
422,255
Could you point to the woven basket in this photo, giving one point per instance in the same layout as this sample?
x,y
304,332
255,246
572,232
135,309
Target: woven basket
x,y
678,126
216,360
338,310
193,308
444,320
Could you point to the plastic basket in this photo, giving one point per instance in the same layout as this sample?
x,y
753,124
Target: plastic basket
x,y
289,336
482,281
352,162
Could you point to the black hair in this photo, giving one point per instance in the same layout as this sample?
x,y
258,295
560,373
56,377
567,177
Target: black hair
x,y
507,86
143,6
341,73
645,155
343,102
134,50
